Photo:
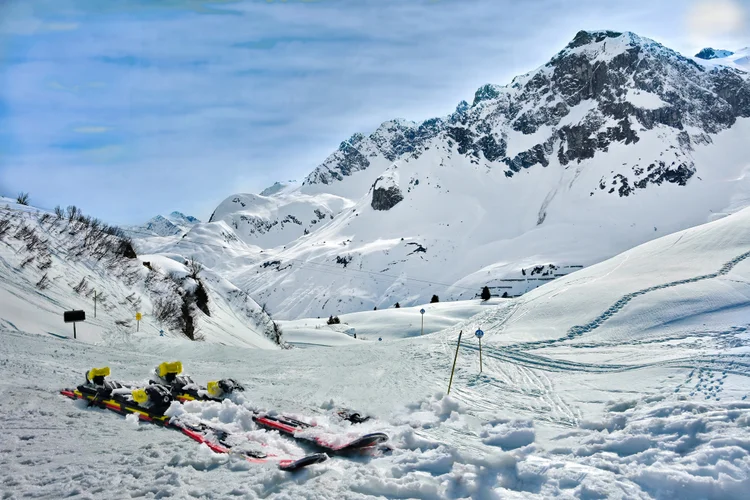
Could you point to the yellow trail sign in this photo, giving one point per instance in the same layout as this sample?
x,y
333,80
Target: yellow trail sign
x,y
138,316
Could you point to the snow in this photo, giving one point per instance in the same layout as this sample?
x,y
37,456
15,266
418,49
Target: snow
x,y
174,224
645,100
647,400
739,59
277,219
387,324
70,260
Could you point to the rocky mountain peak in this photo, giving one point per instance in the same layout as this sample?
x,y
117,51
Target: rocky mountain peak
x,y
604,87
709,53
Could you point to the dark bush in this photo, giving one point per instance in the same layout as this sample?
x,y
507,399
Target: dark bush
x,y
201,298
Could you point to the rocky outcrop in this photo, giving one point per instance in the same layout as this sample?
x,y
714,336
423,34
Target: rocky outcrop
x,y
709,53
617,85
385,193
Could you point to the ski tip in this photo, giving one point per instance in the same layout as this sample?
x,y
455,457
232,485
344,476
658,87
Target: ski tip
x,y
366,441
295,465
68,393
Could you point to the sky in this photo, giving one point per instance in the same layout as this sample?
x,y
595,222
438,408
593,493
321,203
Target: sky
x,y
132,108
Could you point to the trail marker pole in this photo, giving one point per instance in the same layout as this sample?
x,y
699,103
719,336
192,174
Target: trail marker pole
x,y
480,334
454,361
480,355
422,311
138,317
95,303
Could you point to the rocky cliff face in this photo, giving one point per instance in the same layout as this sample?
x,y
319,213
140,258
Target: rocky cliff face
x,y
386,192
629,84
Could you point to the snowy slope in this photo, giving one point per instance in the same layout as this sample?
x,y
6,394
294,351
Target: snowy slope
x,y
385,324
739,59
647,398
616,141
50,265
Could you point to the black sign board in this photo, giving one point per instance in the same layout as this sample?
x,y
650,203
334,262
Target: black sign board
x,y
74,316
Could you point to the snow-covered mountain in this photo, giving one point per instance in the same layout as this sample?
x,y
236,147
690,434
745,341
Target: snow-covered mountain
x,y
174,224
278,215
710,53
615,141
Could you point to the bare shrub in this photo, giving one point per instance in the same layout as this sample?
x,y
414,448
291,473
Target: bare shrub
x,y
73,212
43,283
5,226
194,268
45,262
81,286
166,311
22,198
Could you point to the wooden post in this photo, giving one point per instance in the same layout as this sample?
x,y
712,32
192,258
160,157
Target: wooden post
x,y
454,361
74,330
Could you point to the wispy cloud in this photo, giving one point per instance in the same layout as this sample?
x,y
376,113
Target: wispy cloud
x,y
708,19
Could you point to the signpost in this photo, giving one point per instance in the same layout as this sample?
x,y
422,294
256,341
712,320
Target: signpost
x,y
480,334
454,361
422,311
74,317
138,317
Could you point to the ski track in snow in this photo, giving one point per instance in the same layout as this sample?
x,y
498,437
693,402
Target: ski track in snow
x,y
577,331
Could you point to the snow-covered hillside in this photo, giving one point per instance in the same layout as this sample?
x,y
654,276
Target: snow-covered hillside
x,y
280,216
625,380
616,141
53,263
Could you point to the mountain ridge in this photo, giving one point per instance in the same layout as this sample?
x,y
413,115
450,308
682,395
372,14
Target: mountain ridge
x,y
537,173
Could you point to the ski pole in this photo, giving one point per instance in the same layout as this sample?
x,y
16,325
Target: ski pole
x,y
454,361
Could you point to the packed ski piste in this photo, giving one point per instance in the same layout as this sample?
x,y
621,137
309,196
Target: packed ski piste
x,y
174,401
